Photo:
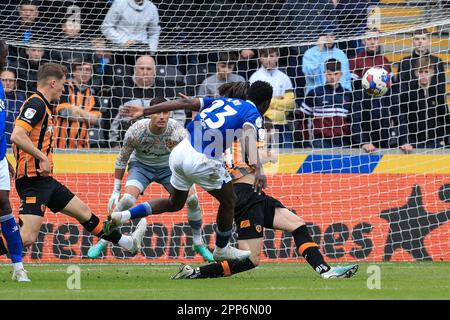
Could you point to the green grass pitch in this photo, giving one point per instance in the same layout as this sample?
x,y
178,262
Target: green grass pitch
x,y
406,280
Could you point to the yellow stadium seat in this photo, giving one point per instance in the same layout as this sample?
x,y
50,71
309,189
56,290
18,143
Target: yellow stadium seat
x,y
400,12
389,27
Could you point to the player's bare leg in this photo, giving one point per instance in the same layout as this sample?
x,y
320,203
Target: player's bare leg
x,y
194,216
175,202
225,268
194,219
286,220
225,216
130,196
80,211
30,226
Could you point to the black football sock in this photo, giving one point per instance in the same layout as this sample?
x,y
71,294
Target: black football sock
x,y
94,226
309,249
222,269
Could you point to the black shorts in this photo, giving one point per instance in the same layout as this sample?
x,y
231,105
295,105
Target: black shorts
x,y
37,193
253,212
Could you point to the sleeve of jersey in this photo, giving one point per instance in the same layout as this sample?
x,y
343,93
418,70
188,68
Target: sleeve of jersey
x,y
254,119
30,115
131,137
205,102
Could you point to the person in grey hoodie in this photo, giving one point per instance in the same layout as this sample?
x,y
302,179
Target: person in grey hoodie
x,y
132,22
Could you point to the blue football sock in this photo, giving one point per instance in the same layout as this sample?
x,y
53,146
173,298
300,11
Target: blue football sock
x,y
222,237
140,211
11,232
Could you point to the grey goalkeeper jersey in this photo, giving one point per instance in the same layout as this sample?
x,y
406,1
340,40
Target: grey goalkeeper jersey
x,y
140,144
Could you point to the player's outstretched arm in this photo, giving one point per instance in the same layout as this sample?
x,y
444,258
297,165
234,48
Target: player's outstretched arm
x,y
180,104
251,156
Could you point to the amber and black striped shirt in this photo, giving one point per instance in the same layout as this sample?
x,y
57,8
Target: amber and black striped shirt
x,y
71,133
235,163
35,117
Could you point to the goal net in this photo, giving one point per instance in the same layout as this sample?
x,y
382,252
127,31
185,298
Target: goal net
x,y
369,175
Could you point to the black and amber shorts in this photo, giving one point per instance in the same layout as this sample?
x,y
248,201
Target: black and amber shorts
x,y
38,193
253,212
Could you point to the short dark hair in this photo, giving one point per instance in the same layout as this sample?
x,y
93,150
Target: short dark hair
x,y
228,57
235,90
421,31
366,30
29,3
157,100
76,62
424,62
267,51
260,92
51,70
9,69
333,65
3,54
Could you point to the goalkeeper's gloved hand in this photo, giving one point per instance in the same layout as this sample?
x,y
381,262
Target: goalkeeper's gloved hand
x,y
114,198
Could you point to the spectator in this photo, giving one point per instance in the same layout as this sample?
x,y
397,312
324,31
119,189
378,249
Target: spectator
x,y
27,67
103,62
138,89
372,116
283,103
370,56
329,106
425,107
72,38
224,73
79,110
13,99
130,22
314,61
26,25
421,47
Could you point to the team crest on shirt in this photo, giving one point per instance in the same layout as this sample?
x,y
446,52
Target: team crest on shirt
x,y
2,105
29,114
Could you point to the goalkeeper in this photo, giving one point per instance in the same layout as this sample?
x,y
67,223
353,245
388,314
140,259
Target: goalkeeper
x,y
253,213
146,149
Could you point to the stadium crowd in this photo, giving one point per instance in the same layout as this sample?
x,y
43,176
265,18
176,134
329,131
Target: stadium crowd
x,y
318,99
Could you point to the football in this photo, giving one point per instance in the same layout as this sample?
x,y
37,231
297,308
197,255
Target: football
x,y
376,81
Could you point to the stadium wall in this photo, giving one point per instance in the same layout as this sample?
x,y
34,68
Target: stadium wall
x,y
358,207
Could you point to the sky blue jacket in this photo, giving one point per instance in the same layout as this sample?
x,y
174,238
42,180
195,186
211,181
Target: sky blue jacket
x,y
314,67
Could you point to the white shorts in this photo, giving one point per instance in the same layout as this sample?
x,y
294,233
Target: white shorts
x,y
5,183
190,166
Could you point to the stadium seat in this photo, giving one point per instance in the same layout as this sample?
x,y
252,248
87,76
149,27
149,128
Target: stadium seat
x,y
119,72
170,74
